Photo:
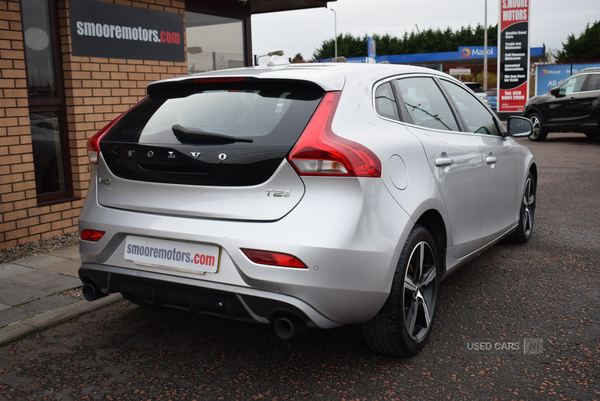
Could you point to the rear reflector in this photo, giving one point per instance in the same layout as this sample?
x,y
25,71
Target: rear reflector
x,y
274,259
321,152
91,235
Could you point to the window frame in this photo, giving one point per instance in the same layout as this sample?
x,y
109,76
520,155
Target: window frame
x,y
404,109
56,104
462,123
396,100
405,117
565,83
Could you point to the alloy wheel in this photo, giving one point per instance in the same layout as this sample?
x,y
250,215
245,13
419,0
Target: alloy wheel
x,y
420,291
528,206
535,121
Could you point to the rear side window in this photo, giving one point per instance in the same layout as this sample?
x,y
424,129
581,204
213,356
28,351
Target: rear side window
x,y
385,102
426,104
593,83
245,110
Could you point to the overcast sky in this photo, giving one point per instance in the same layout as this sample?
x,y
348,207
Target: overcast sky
x,y
303,31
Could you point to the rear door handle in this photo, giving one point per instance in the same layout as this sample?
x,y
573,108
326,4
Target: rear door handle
x,y
443,161
491,159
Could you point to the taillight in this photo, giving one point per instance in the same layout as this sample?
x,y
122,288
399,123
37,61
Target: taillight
x,y
93,144
91,235
274,259
321,152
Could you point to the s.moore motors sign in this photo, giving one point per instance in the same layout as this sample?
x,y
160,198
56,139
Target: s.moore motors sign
x,y
513,56
117,31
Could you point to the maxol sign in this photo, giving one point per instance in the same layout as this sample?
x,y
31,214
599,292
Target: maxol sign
x,y
472,52
116,31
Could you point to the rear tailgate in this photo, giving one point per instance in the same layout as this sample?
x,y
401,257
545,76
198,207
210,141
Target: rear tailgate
x,y
209,148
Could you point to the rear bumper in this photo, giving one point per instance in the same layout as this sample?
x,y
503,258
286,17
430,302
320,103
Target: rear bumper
x,y
346,231
213,298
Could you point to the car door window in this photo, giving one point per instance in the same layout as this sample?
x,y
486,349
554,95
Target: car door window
x,y
572,85
477,117
426,104
385,102
594,83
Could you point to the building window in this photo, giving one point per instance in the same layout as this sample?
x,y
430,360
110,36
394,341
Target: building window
x,y
213,42
46,101
48,157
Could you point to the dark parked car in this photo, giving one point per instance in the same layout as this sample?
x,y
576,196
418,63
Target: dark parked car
x,y
573,106
478,89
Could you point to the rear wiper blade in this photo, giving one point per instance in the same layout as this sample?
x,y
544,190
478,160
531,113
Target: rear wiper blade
x,y
197,136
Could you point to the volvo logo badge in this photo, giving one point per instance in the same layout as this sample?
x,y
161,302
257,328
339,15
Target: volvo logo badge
x,y
222,156
195,155
150,153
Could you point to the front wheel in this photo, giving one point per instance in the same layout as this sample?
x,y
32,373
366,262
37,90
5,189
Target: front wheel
x,y
539,132
527,212
404,323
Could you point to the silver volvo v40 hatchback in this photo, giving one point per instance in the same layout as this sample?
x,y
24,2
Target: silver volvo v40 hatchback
x,y
313,195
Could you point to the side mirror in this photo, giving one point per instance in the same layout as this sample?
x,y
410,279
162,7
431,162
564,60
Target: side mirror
x,y
556,92
519,127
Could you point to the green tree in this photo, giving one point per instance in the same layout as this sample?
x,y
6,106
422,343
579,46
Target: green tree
x,y
586,46
427,41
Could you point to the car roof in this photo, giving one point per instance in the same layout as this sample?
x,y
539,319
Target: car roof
x,y
330,76
590,69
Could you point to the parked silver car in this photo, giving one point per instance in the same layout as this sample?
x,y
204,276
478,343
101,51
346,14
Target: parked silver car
x,y
304,195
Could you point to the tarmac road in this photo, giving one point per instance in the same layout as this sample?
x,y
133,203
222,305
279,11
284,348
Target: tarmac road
x,y
521,322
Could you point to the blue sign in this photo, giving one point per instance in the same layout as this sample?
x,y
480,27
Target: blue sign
x,y
469,52
548,76
371,47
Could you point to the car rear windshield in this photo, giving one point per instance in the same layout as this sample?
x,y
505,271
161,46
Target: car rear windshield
x,y
193,112
215,133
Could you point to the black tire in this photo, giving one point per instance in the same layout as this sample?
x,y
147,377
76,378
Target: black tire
x,y
404,323
527,213
539,132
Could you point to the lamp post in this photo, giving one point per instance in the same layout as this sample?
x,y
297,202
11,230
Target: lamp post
x,y
485,55
335,22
